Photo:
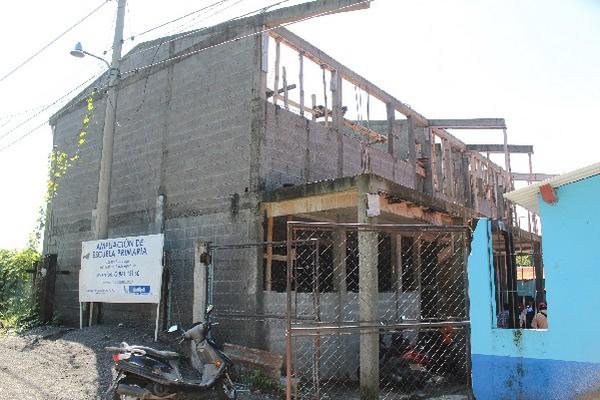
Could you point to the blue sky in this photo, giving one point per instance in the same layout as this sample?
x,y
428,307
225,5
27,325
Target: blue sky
x,y
535,63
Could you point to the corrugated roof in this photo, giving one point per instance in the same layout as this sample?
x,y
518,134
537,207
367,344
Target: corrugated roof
x,y
527,196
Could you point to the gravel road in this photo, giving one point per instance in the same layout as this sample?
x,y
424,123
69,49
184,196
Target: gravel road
x,y
57,363
60,363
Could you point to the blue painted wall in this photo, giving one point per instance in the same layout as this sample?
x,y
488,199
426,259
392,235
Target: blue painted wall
x,y
564,361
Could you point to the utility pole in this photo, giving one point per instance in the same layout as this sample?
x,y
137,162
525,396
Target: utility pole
x,y
108,135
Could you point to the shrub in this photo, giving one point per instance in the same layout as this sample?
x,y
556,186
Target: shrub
x,y
15,287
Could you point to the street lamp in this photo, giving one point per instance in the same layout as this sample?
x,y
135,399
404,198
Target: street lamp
x,y
80,53
106,158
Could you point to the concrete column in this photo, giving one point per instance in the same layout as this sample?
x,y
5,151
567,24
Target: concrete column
x,y
159,214
200,281
367,302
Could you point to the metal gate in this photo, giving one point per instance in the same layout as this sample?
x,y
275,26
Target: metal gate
x,y
376,311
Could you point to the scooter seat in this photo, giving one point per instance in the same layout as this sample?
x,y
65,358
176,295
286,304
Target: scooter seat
x,y
167,355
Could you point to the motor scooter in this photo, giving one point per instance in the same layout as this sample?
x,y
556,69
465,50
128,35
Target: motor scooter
x,y
147,373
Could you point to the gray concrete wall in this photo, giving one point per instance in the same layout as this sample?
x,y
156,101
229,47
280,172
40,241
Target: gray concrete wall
x,y
297,150
183,130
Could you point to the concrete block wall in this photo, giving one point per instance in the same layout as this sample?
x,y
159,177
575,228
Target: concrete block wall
x,y
184,131
297,150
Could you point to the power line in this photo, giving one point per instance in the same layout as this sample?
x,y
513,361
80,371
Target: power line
x,y
48,106
52,42
191,53
131,37
182,17
193,32
137,69
17,140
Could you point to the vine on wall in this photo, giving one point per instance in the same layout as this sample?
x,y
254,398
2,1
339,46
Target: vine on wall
x,y
59,163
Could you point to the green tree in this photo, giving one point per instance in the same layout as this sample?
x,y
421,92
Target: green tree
x,y
15,285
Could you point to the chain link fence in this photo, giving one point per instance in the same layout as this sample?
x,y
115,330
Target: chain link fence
x,y
376,311
354,311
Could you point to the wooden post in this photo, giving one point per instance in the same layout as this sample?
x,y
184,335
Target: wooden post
x,y
337,119
269,264
474,184
46,283
313,98
286,105
434,171
391,117
446,166
412,151
326,112
301,81
277,61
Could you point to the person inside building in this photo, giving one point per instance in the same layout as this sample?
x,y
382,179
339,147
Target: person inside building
x,y
529,314
522,316
503,317
540,321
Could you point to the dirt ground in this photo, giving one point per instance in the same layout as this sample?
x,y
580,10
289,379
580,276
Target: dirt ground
x,y
57,363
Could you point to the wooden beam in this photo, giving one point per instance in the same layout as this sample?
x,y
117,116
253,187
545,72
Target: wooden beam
x,y
413,211
364,131
473,123
316,55
499,148
277,61
311,204
269,363
536,177
301,81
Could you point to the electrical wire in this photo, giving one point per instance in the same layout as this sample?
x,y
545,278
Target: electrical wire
x,y
52,41
182,17
135,70
23,136
49,106
186,25
138,69
193,32
132,37
73,102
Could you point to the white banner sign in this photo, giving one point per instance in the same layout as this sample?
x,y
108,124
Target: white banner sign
x,y
121,270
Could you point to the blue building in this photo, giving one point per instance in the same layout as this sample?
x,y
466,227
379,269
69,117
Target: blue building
x,y
563,361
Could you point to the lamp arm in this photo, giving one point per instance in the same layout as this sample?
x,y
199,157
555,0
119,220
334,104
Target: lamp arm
x,y
99,58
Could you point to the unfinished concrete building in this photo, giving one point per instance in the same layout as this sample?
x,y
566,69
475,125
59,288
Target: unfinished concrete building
x,y
225,134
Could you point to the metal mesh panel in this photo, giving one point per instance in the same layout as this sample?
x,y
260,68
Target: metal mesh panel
x,y
390,298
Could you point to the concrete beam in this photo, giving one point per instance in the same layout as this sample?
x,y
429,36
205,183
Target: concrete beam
x,y
473,123
312,9
524,176
499,148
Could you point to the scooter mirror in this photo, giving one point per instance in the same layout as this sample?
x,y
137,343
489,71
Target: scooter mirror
x,y
209,309
174,328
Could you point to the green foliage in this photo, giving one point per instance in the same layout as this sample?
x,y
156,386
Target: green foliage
x,y
15,286
258,381
524,260
60,161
